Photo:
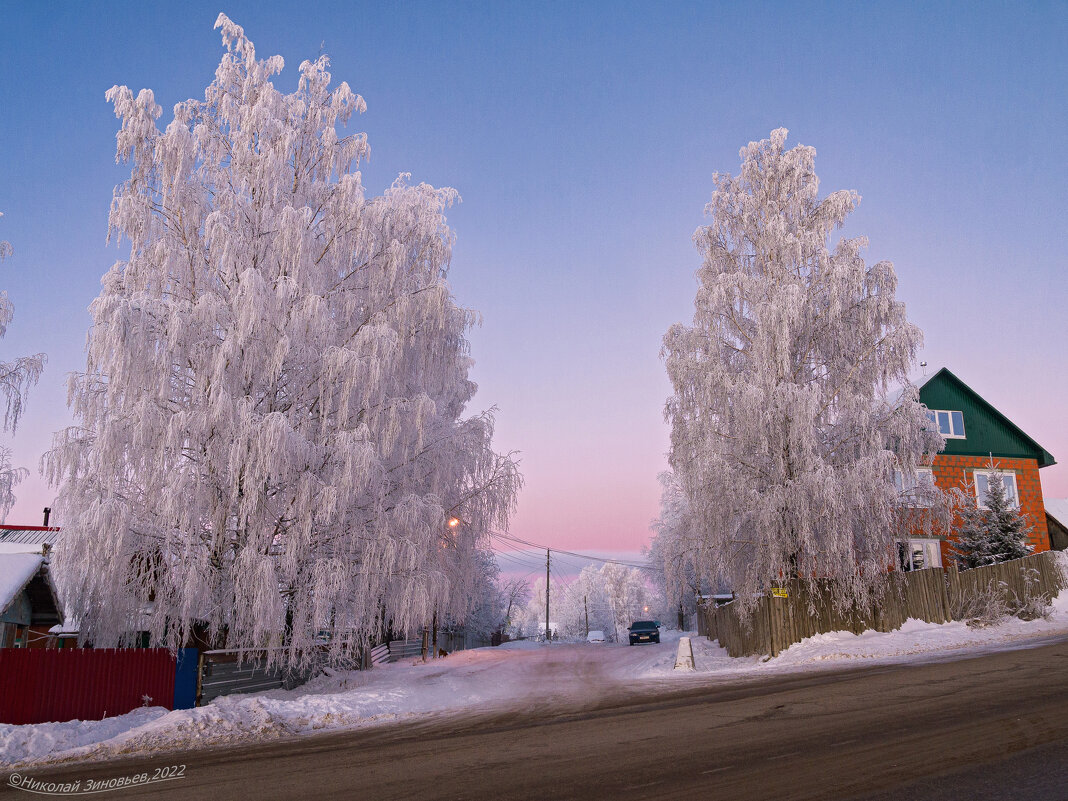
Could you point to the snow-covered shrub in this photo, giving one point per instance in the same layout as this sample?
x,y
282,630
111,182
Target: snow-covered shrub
x,y
985,608
996,601
1034,604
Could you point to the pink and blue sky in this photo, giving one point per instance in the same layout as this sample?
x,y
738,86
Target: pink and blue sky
x,y
583,139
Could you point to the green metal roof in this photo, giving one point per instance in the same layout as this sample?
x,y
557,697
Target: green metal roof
x,y
986,430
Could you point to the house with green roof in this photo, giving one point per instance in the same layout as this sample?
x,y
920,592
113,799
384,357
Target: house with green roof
x,y
975,432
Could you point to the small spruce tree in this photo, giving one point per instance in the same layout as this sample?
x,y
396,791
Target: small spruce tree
x,y
994,532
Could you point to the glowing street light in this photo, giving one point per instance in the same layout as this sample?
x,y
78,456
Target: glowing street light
x,y
454,522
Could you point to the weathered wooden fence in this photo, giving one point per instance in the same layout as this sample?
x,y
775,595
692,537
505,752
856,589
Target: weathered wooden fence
x,y
448,641
933,595
1040,571
226,673
380,654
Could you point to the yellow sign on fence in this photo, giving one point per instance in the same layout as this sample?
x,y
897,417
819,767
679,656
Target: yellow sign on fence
x,y
779,592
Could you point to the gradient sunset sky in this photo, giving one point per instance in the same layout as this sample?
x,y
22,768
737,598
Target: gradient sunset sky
x,y
583,139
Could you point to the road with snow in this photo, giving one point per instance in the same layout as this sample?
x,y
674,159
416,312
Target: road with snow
x,y
1000,719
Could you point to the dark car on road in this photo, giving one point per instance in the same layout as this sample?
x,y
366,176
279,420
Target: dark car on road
x,y
643,631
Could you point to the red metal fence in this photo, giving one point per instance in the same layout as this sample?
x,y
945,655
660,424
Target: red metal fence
x,y
38,685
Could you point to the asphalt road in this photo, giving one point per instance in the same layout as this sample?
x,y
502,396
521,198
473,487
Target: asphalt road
x,y
990,727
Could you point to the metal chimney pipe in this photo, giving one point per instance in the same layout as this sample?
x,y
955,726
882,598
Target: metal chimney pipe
x,y
47,512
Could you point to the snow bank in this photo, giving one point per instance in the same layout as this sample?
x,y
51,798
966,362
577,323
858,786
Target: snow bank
x,y
521,675
27,743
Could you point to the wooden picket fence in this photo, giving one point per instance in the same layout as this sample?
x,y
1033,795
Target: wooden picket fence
x,y
932,595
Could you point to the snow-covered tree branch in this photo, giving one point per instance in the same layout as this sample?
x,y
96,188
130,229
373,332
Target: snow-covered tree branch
x,y
271,430
16,378
786,429
674,549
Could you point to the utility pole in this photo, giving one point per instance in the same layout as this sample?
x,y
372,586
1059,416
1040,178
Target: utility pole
x,y
586,606
548,636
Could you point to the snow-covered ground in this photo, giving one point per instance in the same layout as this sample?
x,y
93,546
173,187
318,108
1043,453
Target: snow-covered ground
x,y
517,675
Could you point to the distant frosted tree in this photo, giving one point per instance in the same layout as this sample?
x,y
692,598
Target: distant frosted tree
x,y
627,592
991,528
784,436
612,596
485,599
16,378
585,598
10,476
515,595
271,437
674,551
531,621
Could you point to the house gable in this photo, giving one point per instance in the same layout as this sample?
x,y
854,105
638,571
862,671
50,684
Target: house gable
x,y
987,431
26,588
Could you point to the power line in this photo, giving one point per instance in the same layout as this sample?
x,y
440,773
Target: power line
x,y
525,559
577,555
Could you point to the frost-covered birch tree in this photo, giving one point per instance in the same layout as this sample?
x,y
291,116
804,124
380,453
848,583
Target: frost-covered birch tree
x,y
271,438
16,378
785,428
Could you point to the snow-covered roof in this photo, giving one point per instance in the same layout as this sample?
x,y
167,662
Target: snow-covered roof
x,y
67,627
16,571
1044,457
917,379
30,535
926,374
1057,508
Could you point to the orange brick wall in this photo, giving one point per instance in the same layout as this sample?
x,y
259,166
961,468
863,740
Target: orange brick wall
x,y
954,471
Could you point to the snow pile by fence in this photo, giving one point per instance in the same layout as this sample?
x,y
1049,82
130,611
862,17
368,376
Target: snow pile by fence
x,y
802,609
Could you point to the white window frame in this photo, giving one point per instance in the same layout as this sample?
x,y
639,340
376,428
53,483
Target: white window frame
x,y
906,492
930,549
932,415
1007,476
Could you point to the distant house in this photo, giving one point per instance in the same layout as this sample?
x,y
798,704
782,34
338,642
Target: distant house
x,y
974,432
29,603
31,612
1057,522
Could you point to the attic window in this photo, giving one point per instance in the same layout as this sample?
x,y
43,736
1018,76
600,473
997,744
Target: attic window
x,y
950,424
